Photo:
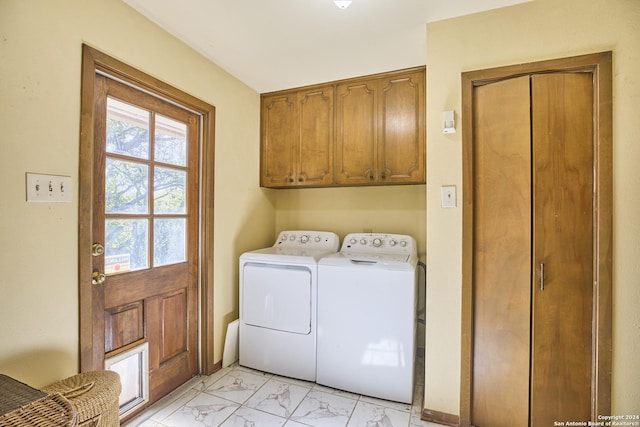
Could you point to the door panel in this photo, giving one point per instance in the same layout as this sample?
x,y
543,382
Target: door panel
x,y
145,213
174,330
502,256
316,137
563,198
279,122
356,140
123,326
401,145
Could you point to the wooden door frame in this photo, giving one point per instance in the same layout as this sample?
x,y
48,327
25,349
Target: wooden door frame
x,y
94,61
600,65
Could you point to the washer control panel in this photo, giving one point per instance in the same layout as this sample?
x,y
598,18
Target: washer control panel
x,y
316,240
372,243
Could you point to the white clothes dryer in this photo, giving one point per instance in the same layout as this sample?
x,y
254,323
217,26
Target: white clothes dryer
x,y
367,316
278,292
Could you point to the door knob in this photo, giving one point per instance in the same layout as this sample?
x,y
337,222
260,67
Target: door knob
x,y
97,249
98,278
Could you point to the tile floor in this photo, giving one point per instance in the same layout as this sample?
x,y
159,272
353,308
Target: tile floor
x,y
242,397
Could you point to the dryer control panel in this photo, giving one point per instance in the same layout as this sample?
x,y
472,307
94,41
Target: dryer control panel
x,y
315,240
378,243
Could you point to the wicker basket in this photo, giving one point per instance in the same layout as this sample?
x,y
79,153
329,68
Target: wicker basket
x,y
52,410
94,394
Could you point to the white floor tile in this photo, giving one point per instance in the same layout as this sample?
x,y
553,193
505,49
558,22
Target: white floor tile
x,y
248,417
321,409
291,423
398,406
367,414
278,398
237,396
237,385
202,410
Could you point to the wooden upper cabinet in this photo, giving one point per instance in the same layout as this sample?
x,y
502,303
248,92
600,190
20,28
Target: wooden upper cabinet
x,y
315,158
401,142
380,130
357,133
363,131
297,138
279,124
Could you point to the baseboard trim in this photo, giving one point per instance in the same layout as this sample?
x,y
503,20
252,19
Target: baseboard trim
x,y
440,417
215,368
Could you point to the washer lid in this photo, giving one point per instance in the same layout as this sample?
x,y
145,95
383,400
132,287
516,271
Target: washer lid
x,y
367,260
286,255
356,257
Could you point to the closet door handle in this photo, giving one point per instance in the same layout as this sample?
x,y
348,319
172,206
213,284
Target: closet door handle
x,y
542,276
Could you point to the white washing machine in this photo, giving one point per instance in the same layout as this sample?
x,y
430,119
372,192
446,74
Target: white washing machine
x,y
367,316
278,291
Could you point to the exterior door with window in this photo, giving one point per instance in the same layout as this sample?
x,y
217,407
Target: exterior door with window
x,y
145,231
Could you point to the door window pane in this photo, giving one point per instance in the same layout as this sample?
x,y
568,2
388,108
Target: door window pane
x,y
171,141
127,129
126,187
126,245
169,246
169,191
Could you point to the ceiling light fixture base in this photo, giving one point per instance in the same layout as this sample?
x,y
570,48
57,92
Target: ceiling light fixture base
x,y
342,4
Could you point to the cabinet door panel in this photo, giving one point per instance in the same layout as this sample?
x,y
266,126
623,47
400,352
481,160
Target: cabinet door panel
x,y
562,108
357,133
401,143
316,137
279,140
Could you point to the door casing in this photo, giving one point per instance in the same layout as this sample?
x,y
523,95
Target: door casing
x,y
600,66
94,61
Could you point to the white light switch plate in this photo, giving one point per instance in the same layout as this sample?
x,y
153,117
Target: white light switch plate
x,y
448,196
49,188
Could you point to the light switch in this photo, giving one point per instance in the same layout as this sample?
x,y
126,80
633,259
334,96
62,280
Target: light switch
x,y
448,196
49,188
448,117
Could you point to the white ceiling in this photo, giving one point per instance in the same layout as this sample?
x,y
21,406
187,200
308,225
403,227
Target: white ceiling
x,y
280,44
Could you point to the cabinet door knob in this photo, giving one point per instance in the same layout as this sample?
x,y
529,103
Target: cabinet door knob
x,y
383,176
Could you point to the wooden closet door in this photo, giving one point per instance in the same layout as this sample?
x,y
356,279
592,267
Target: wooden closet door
x,y
533,250
502,253
562,111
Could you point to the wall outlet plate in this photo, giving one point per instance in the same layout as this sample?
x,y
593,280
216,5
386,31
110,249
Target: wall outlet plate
x,y
49,188
448,196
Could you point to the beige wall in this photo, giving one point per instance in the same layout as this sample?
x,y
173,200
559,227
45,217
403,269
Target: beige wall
x,y
542,29
40,54
393,209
